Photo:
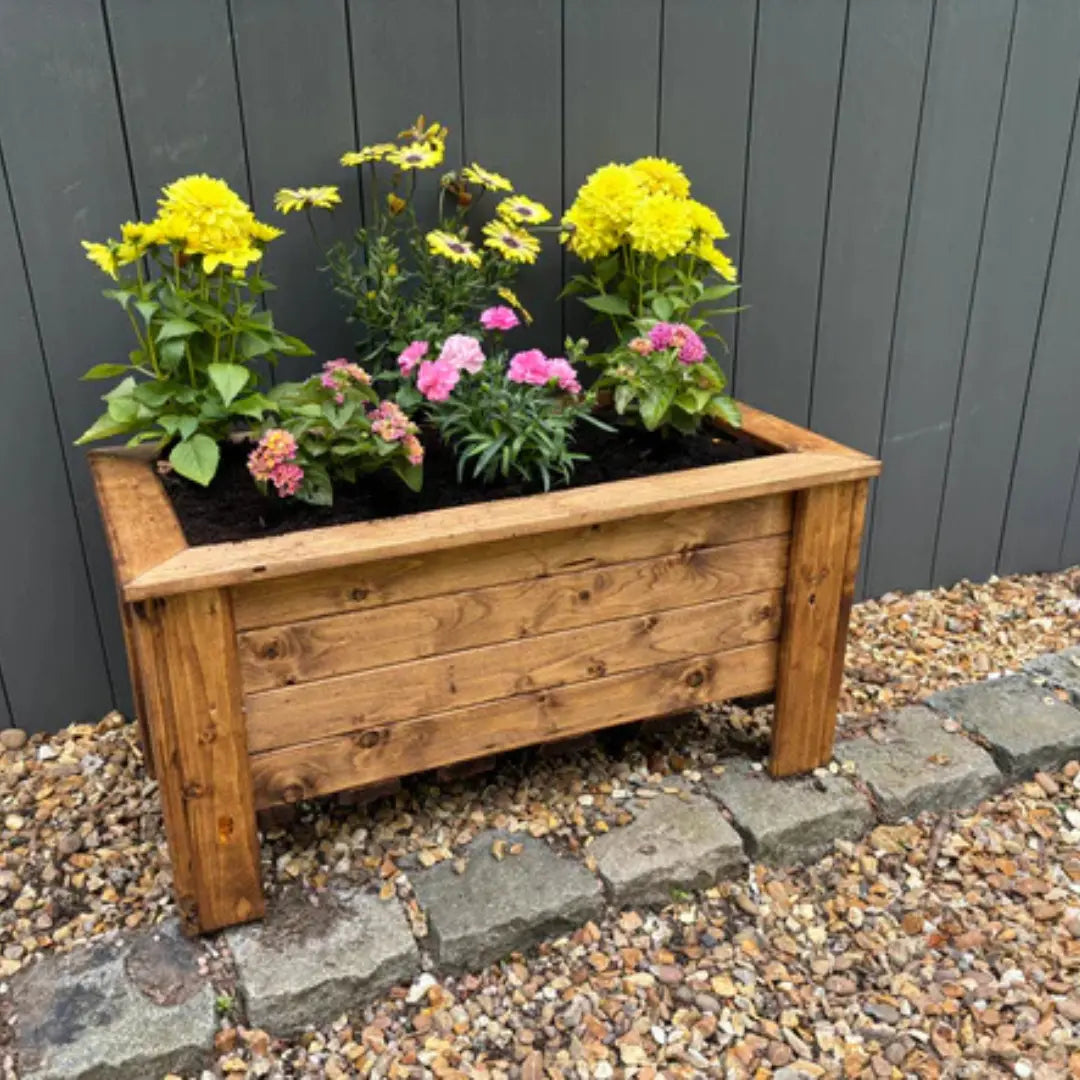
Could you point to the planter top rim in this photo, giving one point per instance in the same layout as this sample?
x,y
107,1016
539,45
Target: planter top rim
x,y
153,559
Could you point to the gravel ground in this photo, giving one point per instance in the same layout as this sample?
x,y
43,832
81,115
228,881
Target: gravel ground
x,y
81,854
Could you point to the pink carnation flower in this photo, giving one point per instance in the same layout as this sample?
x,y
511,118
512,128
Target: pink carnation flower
x,y
411,355
437,378
530,366
463,352
498,318
561,369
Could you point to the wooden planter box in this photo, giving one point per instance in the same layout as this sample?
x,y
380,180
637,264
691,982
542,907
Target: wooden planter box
x,y
279,669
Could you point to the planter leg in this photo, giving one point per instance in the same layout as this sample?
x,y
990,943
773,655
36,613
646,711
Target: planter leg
x,y
825,542
186,647
138,698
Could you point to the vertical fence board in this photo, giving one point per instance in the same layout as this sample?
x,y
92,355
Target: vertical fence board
x,y
46,607
793,118
1070,546
68,177
960,115
610,85
174,65
505,48
282,88
1024,197
875,147
705,124
1046,458
406,61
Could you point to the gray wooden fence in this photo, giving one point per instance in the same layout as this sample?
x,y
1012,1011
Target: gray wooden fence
x,y
900,177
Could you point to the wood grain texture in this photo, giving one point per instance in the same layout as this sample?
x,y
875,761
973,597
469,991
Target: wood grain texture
x,y
1029,167
810,644
339,644
187,657
471,676
139,521
319,768
372,585
319,549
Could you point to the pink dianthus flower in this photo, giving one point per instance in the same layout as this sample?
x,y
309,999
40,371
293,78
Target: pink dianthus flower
x,y
530,366
437,378
561,369
411,355
463,352
498,317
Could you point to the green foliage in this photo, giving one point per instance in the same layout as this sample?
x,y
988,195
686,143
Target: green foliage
x,y
660,391
342,432
191,379
514,430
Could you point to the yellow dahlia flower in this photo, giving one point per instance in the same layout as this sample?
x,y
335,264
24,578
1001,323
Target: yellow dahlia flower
x,y
602,210
662,176
717,260
102,256
706,221
661,226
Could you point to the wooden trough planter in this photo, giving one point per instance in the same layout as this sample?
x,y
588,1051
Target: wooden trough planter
x,y
279,669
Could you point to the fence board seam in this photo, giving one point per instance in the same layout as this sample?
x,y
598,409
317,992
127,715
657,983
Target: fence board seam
x,y
840,75
111,49
745,188
1036,337
352,104
971,295
1073,504
58,430
868,548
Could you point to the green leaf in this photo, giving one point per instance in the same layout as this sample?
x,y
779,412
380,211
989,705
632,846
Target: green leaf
x,y
623,396
153,394
717,292
147,309
176,328
104,427
228,379
607,268
316,488
105,371
654,408
196,458
253,345
725,408
607,304
663,308
254,406
413,475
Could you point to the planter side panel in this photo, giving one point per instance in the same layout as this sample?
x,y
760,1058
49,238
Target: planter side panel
x,y
420,663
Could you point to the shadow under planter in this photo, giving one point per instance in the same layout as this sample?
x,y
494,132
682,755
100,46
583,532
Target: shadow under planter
x,y
273,670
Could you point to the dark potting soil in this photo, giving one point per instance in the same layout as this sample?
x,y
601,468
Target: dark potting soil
x,y
233,508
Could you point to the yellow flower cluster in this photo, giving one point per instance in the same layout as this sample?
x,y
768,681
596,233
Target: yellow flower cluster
x,y
646,206
424,148
197,215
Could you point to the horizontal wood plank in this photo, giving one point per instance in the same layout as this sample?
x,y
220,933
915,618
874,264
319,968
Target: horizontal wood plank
x,y
140,524
317,768
465,526
336,706
361,640
370,585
